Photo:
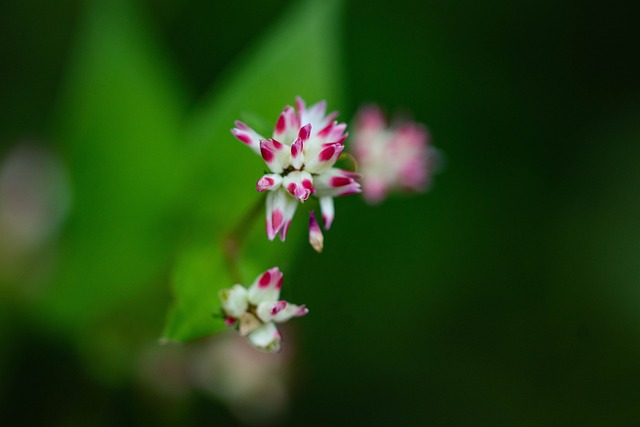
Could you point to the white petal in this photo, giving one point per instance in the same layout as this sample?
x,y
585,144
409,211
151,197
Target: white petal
x,y
266,338
328,211
234,300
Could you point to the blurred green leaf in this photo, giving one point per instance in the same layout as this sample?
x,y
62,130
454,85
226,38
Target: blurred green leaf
x,y
298,57
118,125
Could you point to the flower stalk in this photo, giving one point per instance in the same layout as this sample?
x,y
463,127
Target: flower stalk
x,y
233,241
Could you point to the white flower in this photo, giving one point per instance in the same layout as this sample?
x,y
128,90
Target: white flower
x,y
391,158
300,155
254,311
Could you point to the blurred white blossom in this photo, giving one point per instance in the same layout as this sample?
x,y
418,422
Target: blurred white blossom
x,y
35,196
391,158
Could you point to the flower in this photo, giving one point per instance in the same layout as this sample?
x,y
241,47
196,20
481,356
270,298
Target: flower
x,y
391,158
301,153
254,311
255,386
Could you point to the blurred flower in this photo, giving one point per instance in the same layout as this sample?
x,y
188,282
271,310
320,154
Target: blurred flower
x,y
391,158
254,385
35,196
300,155
255,310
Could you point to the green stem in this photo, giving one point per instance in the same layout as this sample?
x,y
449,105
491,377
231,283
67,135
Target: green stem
x,y
233,241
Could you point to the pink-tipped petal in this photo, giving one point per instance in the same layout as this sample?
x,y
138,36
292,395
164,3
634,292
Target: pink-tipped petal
x,y
275,154
316,239
338,133
289,311
291,205
240,125
287,125
268,182
276,205
326,157
318,110
279,311
281,125
299,184
267,311
301,105
341,139
280,208
326,131
277,219
328,211
266,287
297,154
337,182
304,133
327,153
314,114
247,136
278,307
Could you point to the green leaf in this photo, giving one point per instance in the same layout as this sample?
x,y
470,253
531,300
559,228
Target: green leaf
x,y
118,125
299,56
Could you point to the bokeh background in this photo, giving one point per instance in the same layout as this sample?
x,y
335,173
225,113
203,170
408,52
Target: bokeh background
x,y
506,295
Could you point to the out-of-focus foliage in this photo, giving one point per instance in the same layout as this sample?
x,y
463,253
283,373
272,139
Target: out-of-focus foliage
x,y
120,119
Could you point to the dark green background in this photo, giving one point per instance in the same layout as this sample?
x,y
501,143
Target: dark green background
x,y
506,295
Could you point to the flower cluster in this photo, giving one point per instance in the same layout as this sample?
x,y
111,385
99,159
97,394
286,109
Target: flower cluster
x,y
254,311
301,156
391,158
304,147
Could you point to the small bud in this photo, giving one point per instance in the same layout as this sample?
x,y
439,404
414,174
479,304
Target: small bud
x,y
316,239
